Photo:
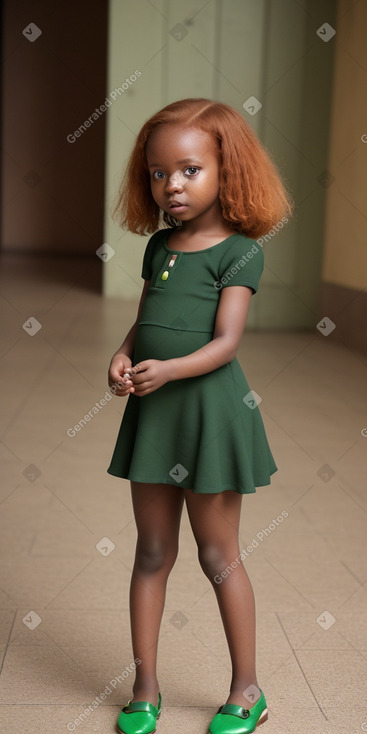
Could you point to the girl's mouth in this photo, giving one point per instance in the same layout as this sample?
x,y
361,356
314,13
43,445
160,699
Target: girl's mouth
x,y
178,207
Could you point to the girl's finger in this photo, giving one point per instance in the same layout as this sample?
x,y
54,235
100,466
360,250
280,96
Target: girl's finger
x,y
115,377
138,367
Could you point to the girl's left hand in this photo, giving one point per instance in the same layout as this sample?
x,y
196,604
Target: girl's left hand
x,y
149,375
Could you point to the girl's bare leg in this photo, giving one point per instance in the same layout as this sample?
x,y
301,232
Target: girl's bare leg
x,y
157,510
215,520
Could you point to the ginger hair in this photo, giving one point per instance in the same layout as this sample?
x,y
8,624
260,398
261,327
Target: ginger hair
x,y
251,191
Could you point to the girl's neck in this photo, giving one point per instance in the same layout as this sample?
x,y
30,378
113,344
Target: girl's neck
x,y
198,232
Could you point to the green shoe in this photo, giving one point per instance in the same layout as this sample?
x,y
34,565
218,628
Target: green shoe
x,y
139,717
232,719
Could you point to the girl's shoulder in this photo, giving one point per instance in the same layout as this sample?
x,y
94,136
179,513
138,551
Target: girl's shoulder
x,y
154,241
159,236
242,246
242,263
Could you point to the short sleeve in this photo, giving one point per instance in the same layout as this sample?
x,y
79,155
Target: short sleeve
x,y
242,264
146,271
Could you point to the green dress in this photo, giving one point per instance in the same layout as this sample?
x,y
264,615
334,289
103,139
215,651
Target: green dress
x,y
203,433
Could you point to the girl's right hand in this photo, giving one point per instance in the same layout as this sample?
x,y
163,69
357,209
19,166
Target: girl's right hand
x,y
118,377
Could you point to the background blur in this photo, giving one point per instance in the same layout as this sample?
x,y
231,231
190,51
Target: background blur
x,y
69,289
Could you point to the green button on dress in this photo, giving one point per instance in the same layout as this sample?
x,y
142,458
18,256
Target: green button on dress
x,y
203,433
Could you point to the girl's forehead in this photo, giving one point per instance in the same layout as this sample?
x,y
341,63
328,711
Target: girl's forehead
x,y
172,140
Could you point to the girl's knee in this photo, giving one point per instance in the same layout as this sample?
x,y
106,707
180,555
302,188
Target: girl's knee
x,y
214,558
151,558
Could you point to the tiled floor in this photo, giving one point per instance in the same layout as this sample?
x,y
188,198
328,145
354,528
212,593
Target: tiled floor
x,y
57,502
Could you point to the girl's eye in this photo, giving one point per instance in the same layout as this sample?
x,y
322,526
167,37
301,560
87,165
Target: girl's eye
x,y
193,169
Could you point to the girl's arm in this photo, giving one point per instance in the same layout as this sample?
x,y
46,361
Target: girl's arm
x,y
122,359
128,345
233,307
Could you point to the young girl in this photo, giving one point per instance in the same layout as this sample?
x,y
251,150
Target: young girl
x,y
191,430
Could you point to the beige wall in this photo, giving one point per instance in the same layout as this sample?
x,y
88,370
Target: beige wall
x,y
53,190
345,246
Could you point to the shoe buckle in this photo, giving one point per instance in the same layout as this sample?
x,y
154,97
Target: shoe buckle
x,y
242,713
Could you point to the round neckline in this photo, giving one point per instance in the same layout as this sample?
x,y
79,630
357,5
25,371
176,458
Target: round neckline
x,y
193,252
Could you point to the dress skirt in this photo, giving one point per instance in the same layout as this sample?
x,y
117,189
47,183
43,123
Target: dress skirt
x,y
197,433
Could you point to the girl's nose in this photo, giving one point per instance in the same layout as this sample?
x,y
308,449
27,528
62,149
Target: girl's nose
x,y
176,182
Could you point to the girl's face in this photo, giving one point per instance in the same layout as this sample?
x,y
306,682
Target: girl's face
x,y
184,171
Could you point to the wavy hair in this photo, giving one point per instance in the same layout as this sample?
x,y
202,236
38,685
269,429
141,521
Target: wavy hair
x,y
252,194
